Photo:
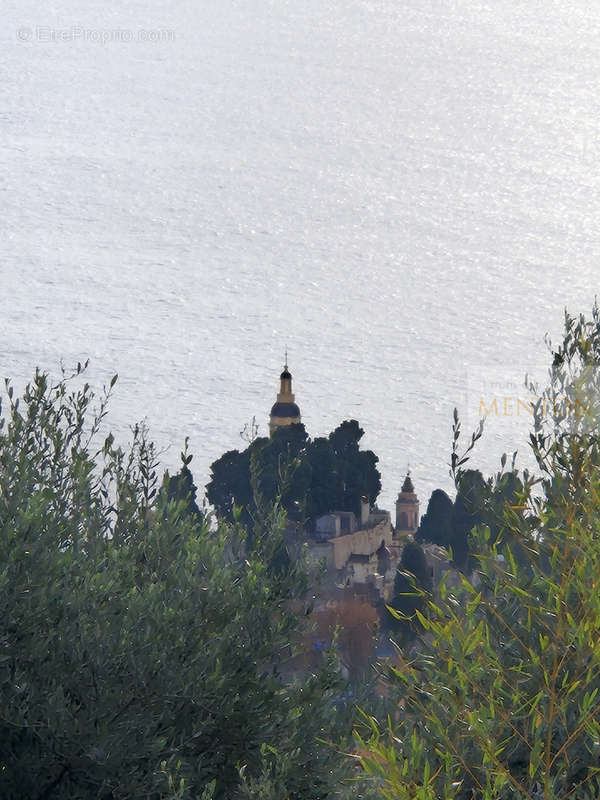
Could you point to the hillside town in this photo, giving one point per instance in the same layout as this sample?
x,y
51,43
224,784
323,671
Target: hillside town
x,y
360,556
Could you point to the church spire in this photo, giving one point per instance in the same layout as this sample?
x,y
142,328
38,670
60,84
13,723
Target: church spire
x,y
407,508
407,486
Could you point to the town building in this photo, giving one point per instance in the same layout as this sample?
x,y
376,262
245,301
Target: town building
x,y
356,552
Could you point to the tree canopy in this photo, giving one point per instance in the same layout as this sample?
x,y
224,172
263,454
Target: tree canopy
x,y
449,524
140,650
324,474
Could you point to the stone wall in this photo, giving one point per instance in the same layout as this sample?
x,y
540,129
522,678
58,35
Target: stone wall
x,y
362,542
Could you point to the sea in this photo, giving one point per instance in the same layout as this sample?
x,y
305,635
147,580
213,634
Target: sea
x,y
404,194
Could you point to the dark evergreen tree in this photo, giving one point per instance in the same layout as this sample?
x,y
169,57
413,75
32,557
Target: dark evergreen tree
x,y
413,560
449,524
436,523
345,438
325,491
355,471
411,587
321,476
284,469
466,514
229,485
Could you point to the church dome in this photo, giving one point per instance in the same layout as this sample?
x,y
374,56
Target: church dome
x,y
285,410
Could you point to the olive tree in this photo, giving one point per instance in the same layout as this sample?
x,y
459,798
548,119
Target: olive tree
x,y
140,645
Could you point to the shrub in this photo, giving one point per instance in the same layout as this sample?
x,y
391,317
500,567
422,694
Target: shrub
x,y
503,700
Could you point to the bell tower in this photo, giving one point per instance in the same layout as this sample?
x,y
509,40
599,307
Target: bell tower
x,y
407,508
285,411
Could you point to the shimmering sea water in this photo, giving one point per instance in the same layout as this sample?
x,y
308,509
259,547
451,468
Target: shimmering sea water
x,y
405,193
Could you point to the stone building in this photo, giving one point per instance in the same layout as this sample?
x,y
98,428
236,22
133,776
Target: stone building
x,y
356,552
358,578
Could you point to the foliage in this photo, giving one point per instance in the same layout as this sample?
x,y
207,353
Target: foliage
x,y
467,512
355,473
412,585
449,524
328,473
435,525
181,487
139,649
413,560
503,699
230,483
